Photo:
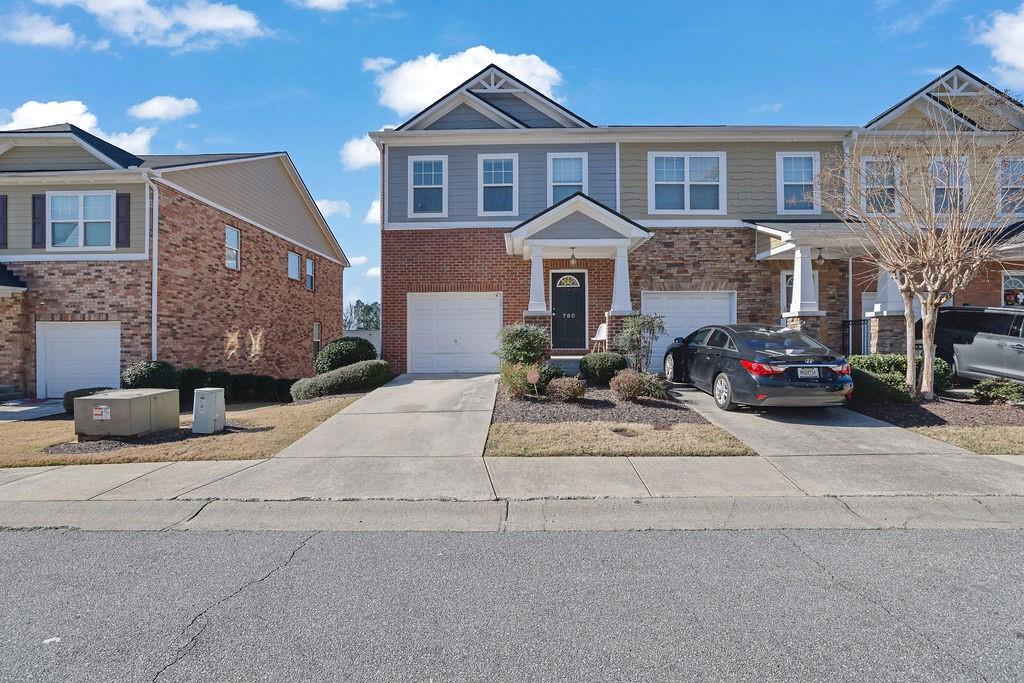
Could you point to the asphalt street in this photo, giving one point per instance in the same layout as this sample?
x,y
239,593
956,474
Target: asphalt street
x,y
682,605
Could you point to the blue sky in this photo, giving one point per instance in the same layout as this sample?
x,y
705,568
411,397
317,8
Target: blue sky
x,y
309,76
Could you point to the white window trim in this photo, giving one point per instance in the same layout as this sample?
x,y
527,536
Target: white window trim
x,y
1002,287
966,187
81,219
585,156
999,187
863,194
310,273
780,183
443,158
782,287
288,266
317,337
238,251
480,158
722,182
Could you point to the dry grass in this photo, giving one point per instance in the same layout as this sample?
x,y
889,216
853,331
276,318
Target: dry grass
x,y
986,440
609,439
272,427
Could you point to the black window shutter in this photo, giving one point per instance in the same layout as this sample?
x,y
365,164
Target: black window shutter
x,y
3,221
38,221
124,210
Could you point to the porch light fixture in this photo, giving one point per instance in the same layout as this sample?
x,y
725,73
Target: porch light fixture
x,y
820,261
572,257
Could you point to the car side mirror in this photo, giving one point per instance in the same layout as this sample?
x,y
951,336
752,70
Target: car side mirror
x,y
679,340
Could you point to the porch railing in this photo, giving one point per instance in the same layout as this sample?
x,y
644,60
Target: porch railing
x,y
856,337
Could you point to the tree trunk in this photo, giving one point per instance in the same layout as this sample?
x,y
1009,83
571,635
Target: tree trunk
x,y
929,317
911,323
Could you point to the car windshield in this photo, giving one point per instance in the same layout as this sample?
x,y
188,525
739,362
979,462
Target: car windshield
x,y
779,340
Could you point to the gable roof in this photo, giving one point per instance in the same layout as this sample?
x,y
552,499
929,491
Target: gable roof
x,y
118,157
165,161
600,224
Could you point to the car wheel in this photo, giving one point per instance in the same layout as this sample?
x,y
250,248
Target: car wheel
x,y
956,366
723,393
670,368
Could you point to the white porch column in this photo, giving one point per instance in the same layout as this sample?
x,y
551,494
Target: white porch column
x,y
537,302
887,295
622,304
805,292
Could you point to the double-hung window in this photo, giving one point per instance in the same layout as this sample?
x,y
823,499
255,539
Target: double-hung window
x,y
1011,186
316,339
309,273
686,182
567,175
797,189
878,182
232,248
428,187
498,184
80,220
949,183
293,266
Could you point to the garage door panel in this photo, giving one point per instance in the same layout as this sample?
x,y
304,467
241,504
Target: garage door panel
x,y
77,355
453,332
685,312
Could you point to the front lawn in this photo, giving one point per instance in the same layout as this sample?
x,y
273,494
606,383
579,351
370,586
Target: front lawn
x,y
254,431
988,429
602,425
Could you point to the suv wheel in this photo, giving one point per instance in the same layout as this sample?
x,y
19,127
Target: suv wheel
x,y
723,393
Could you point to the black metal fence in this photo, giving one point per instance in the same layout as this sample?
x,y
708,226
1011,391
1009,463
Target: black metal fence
x,y
856,337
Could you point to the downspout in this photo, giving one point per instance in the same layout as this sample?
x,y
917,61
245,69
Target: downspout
x,y
154,262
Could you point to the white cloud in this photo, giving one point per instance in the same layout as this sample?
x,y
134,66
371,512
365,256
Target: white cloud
x,y
912,21
358,260
194,24
1004,36
411,86
35,29
768,108
372,272
32,114
334,207
359,153
164,108
332,5
372,216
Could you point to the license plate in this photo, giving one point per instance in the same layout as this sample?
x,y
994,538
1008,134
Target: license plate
x,y
807,373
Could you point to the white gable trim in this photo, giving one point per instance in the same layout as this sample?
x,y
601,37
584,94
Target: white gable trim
x,y
427,117
48,139
931,88
580,204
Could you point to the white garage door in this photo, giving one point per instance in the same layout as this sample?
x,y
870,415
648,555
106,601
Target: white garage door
x,y
77,355
686,311
454,332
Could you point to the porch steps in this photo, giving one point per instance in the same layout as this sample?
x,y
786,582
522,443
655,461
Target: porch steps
x,y
570,364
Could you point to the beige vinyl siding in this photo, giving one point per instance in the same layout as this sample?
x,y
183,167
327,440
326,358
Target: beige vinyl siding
x,y
750,182
911,119
49,158
19,217
260,190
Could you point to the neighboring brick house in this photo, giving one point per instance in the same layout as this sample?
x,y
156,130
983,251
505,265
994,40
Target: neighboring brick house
x,y
499,205
221,261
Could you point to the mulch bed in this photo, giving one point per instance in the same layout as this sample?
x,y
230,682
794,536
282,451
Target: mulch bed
x,y
946,412
170,436
598,405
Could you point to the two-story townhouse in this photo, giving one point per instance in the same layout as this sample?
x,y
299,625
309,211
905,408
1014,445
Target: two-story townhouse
x,y
499,205
221,261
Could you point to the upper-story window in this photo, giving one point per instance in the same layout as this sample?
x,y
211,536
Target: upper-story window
x,y
498,184
686,182
309,273
878,181
428,186
949,183
797,188
293,266
1011,186
80,220
567,175
232,248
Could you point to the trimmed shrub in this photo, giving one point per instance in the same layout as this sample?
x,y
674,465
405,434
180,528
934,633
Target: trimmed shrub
x,y
265,389
886,387
654,387
243,387
599,368
522,344
150,375
513,376
998,390
362,376
889,364
283,389
190,379
548,373
627,385
70,396
343,352
566,389
224,380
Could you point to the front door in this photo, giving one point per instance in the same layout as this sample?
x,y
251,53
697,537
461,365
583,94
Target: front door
x,y
569,310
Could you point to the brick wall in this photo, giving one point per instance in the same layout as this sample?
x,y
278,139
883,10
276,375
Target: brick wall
x,y
254,319
984,290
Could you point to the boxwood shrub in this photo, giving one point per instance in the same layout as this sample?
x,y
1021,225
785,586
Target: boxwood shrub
x,y
361,376
190,379
223,380
599,368
884,387
149,375
522,344
995,390
343,352
895,364
70,396
265,389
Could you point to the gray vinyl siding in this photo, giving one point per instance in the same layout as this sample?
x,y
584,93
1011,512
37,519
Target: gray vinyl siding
x,y
49,158
463,117
750,183
577,226
19,217
518,109
462,179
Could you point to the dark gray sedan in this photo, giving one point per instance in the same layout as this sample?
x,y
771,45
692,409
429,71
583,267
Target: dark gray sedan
x,y
759,365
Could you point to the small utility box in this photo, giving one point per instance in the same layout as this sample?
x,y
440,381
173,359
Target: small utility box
x,y
126,412
208,411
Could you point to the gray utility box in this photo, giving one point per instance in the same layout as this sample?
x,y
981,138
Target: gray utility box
x,y
126,412
208,410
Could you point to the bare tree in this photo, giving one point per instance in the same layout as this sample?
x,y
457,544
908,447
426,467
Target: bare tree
x,y
933,202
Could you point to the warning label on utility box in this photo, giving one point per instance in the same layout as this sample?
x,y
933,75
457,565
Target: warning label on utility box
x,y
101,412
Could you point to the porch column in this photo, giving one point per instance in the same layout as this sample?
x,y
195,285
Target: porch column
x,y
887,295
886,324
622,303
805,292
537,302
